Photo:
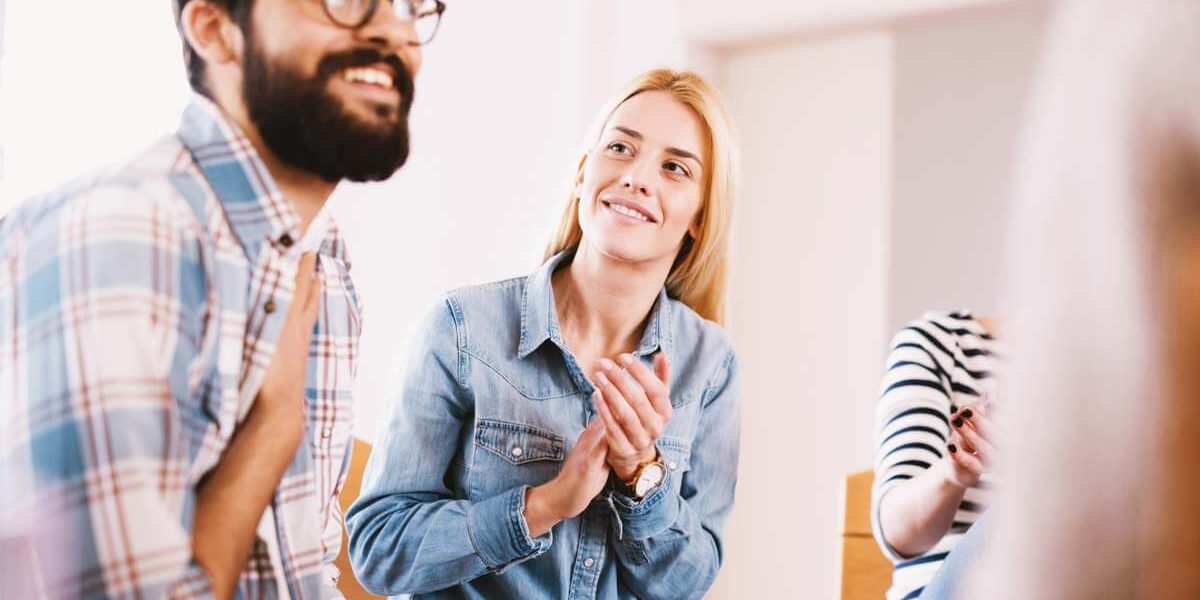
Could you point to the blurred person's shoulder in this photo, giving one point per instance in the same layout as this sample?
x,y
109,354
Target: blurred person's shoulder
x,y
129,199
942,330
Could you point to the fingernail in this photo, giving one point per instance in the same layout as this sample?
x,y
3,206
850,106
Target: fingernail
x,y
626,358
966,414
952,448
958,422
607,364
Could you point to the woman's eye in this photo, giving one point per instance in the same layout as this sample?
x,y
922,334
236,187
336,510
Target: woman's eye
x,y
619,148
677,169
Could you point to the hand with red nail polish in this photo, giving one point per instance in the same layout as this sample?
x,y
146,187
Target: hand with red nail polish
x,y
969,450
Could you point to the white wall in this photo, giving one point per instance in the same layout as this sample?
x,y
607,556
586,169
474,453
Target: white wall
x,y
722,23
961,83
75,94
808,301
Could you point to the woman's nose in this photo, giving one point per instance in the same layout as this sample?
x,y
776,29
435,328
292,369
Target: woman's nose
x,y
634,181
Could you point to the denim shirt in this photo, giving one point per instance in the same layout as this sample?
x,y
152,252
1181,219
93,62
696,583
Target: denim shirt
x,y
490,403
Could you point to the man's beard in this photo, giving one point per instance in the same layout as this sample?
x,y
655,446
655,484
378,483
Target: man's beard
x,y
305,126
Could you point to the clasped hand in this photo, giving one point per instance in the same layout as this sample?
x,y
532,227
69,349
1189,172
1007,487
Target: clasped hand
x,y
634,407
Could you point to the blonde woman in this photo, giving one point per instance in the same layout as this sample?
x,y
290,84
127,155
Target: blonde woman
x,y
574,433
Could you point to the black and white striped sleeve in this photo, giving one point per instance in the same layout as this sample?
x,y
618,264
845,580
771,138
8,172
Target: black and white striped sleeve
x,y
912,415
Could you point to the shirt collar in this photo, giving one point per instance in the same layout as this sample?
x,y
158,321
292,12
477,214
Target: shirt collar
x,y
539,319
253,204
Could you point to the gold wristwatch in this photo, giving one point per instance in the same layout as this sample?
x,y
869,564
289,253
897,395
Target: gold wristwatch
x,y
647,478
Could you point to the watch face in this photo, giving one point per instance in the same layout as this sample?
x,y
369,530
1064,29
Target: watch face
x,y
651,477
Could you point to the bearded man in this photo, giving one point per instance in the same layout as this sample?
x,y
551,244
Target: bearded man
x,y
178,334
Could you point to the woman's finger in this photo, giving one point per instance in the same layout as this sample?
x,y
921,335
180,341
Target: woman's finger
x,y
593,441
956,438
617,440
649,425
974,442
655,388
962,456
967,461
980,422
662,368
593,433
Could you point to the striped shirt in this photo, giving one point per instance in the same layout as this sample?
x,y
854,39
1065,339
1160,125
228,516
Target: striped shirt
x,y
936,364
139,310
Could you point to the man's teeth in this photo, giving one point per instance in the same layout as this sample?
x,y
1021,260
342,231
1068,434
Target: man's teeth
x,y
367,75
629,212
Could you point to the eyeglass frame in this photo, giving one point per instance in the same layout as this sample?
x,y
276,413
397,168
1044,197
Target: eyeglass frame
x,y
438,11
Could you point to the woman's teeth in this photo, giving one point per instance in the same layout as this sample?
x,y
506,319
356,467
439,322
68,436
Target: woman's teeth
x,y
629,212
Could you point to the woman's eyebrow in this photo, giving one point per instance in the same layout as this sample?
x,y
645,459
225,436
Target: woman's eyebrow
x,y
684,154
675,151
629,132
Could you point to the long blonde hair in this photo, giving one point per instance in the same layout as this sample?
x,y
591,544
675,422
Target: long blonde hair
x,y
700,274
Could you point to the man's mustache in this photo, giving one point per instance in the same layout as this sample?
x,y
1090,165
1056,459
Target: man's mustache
x,y
362,57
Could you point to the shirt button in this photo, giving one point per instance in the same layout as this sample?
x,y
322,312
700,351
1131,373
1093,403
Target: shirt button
x,y
269,306
589,563
285,240
517,451
326,431
673,465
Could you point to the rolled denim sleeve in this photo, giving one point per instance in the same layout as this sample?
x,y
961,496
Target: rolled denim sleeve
x,y
670,544
409,533
499,531
650,516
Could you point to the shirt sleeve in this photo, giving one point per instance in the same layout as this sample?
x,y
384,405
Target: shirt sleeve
x,y
102,305
408,532
911,418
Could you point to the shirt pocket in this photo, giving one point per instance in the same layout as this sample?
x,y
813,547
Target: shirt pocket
x,y
676,456
509,455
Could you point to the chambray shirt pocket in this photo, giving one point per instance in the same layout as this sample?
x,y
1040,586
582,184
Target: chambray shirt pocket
x,y
676,455
509,455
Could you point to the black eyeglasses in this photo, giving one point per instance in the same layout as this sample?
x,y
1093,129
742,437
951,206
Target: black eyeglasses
x,y
425,15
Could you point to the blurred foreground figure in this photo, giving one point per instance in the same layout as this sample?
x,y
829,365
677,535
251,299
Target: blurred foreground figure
x,y
1101,468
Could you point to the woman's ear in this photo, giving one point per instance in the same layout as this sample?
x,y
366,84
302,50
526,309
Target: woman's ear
x,y
211,33
579,172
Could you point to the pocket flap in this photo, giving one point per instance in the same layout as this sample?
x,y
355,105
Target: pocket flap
x,y
516,443
676,453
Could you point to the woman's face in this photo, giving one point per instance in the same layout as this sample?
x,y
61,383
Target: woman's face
x,y
641,187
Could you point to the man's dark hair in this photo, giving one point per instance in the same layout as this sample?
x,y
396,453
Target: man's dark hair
x,y
239,11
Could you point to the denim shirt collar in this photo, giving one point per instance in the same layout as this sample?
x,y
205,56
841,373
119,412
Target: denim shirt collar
x,y
253,203
539,319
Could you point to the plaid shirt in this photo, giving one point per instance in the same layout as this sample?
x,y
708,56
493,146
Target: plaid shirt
x,y
139,310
